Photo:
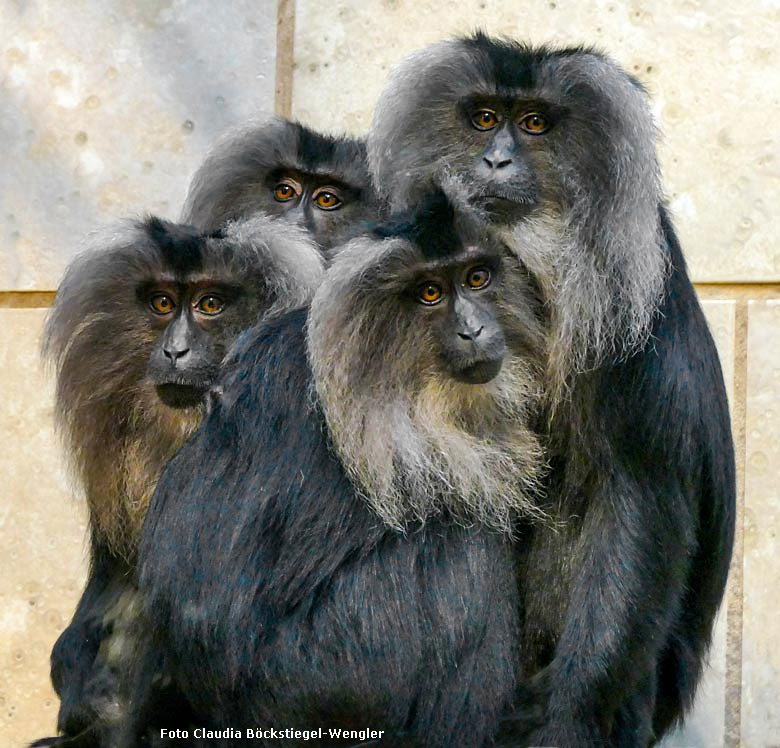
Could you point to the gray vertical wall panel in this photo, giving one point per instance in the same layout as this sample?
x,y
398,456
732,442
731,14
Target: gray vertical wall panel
x,y
106,108
761,564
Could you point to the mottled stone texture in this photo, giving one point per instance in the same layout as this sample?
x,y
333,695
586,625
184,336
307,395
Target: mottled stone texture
x,y
42,535
712,69
761,569
107,107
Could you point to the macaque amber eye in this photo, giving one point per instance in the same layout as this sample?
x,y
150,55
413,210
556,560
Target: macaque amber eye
x,y
430,293
534,123
162,304
484,119
284,192
210,305
478,277
327,200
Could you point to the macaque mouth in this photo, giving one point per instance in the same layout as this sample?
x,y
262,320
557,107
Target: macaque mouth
x,y
480,372
505,204
522,193
182,394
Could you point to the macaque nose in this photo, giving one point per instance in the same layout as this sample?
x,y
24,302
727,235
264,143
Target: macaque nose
x,y
471,334
497,161
174,354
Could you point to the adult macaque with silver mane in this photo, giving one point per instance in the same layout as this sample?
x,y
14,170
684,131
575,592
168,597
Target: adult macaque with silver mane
x,y
332,549
277,169
284,169
556,147
137,334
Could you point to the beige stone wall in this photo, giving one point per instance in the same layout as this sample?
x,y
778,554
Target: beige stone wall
x,y
107,107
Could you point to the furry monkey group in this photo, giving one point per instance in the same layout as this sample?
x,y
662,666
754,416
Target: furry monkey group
x,y
421,435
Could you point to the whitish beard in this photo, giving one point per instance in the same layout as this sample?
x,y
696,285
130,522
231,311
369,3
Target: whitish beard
x,y
601,302
446,447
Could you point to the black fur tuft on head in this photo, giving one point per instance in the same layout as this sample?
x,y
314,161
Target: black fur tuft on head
x,y
511,64
181,245
322,152
432,225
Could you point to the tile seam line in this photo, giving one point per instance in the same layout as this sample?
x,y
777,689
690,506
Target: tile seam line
x,y
285,43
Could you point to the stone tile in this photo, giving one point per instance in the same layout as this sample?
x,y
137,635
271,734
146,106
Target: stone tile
x,y
42,535
761,566
712,69
106,109
704,727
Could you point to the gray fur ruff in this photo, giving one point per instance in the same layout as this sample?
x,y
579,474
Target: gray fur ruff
x,y
592,239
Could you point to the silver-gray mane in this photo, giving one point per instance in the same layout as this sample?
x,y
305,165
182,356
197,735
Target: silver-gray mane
x,y
593,239
117,433
415,441
229,181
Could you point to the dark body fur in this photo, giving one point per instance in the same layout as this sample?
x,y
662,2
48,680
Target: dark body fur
x,y
313,556
620,597
86,682
320,614
234,186
643,481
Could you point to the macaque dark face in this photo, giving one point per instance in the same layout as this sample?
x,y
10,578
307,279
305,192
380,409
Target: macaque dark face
x,y
194,320
457,299
506,137
322,203
141,324
426,345
524,131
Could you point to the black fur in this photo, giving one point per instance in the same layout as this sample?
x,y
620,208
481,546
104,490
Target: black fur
x,y
619,602
619,596
511,64
83,683
436,235
274,592
181,246
281,598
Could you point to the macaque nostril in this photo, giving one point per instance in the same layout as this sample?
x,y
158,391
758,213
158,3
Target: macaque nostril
x,y
175,355
471,335
496,162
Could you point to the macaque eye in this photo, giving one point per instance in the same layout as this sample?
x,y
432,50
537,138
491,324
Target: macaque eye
x,y
161,303
430,293
210,304
327,200
534,123
284,192
478,277
484,119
